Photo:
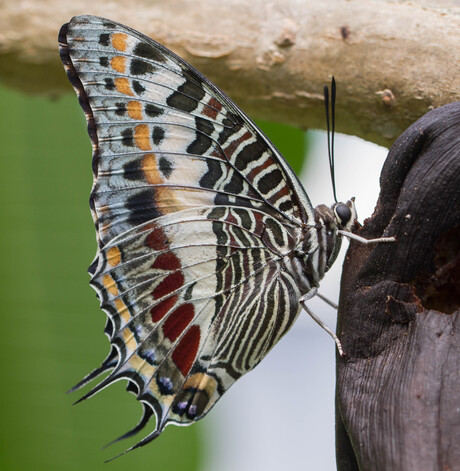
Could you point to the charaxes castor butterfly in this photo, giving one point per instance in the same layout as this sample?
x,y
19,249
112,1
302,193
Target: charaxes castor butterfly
x,y
207,242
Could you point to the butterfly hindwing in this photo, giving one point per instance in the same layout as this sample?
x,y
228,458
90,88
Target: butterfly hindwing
x,y
196,214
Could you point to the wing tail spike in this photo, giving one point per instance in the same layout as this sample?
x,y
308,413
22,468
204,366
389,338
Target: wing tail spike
x,y
150,437
109,363
143,442
99,387
147,414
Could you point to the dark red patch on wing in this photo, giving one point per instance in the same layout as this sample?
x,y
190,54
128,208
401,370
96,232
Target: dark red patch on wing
x,y
260,226
184,354
255,171
170,284
283,191
177,321
162,308
231,219
157,239
230,149
212,108
167,261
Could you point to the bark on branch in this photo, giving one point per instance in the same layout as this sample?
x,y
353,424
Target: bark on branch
x,y
393,61
398,388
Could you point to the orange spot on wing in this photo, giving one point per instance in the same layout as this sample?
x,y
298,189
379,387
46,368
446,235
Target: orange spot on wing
x,y
141,366
119,41
141,136
118,63
110,285
150,169
113,256
123,86
201,381
168,199
134,110
122,309
130,341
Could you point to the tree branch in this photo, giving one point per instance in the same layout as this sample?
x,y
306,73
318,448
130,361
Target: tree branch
x,y
393,61
398,388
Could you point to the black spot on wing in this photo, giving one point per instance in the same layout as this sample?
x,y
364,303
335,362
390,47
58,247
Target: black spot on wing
x,y
189,291
132,170
121,108
248,154
109,24
166,166
127,137
104,39
138,88
229,129
245,219
104,61
153,111
142,207
213,174
141,67
270,181
158,135
109,84
286,206
148,51
200,145
235,185
165,385
204,125
189,74
275,231
217,213
202,142
187,96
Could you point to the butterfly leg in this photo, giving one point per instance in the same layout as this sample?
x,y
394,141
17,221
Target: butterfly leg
x,y
358,238
302,301
327,301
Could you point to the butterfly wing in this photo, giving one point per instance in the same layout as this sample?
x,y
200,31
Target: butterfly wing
x,y
196,215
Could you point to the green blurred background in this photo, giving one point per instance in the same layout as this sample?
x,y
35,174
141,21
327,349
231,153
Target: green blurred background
x,y
52,325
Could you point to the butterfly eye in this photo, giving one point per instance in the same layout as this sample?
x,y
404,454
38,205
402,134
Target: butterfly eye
x,y
343,213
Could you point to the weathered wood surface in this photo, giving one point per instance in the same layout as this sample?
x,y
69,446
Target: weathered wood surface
x,y
393,61
398,387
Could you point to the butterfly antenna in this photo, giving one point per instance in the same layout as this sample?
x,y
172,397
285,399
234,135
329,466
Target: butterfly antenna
x,y
330,134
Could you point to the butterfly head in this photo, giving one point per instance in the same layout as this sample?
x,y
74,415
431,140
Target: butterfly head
x,y
345,214
340,216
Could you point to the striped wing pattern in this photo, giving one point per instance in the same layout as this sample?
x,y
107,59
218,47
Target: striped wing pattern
x,y
197,219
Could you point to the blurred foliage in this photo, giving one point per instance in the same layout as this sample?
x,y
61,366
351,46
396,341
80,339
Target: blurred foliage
x,y
52,325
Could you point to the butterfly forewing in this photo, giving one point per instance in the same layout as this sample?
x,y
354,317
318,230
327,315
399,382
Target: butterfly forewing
x,y
196,214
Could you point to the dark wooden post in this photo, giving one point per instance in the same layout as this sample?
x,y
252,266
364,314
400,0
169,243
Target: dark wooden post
x,y
398,386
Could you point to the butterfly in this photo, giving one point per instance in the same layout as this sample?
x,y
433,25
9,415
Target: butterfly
x,y
207,242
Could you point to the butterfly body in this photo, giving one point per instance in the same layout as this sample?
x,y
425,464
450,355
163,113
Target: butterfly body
x,y
206,238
